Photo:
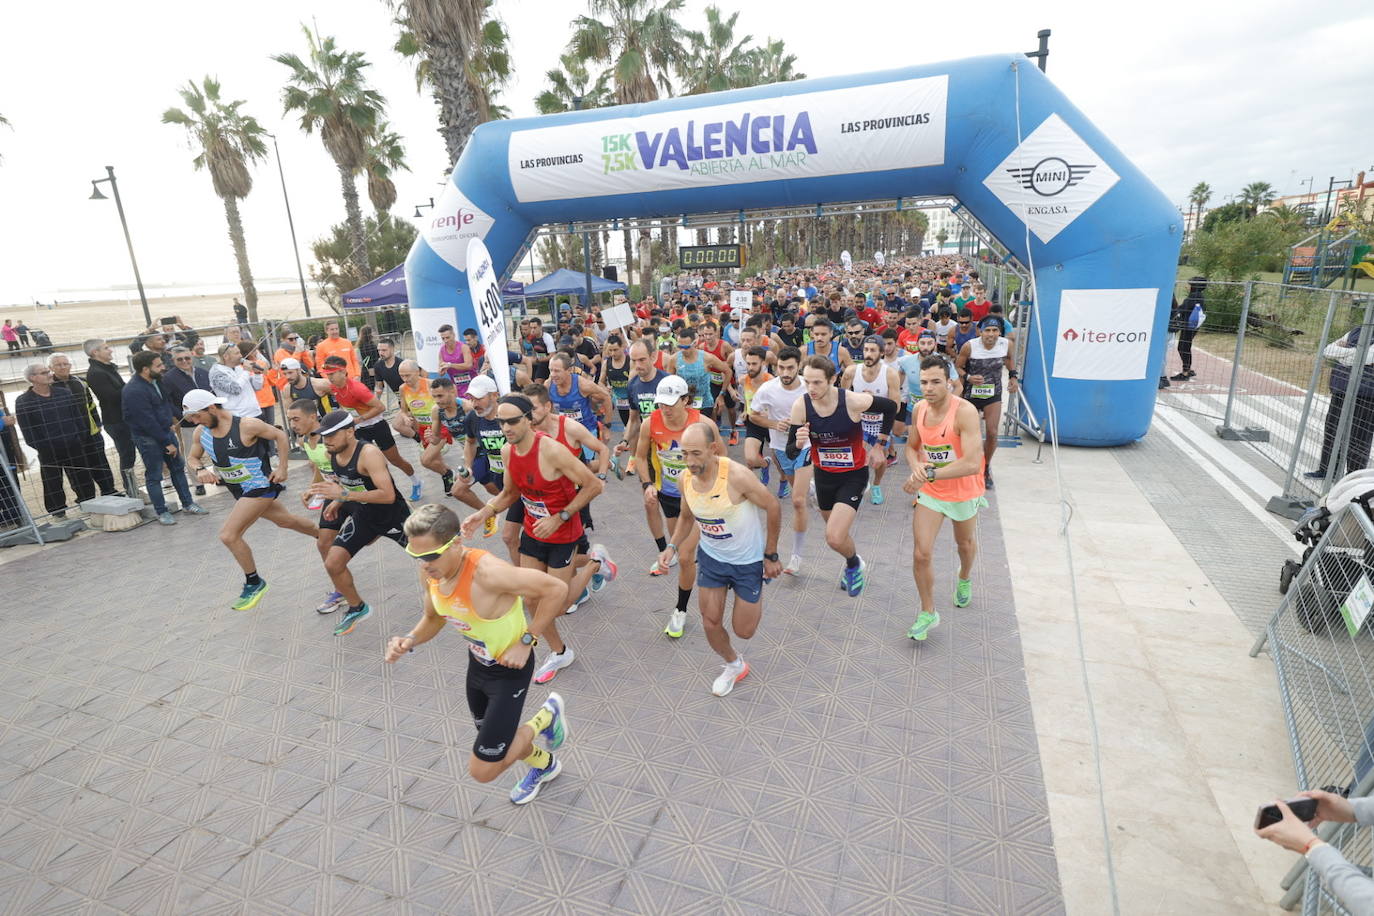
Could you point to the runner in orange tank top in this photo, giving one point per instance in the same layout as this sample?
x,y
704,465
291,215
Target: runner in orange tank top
x,y
945,451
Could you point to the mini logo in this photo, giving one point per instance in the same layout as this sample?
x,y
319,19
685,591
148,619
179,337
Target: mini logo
x,y
1070,334
516,695
492,751
1050,176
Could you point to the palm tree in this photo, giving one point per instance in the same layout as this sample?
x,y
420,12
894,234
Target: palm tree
x,y
941,237
716,59
1256,194
225,141
331,94
462,55
571,86
1197,199
384,155
772,64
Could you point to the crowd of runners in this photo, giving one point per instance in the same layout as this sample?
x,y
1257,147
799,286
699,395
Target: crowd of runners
x,y
828,378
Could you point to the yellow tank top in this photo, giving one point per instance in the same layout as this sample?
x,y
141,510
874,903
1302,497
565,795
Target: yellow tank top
x,y
419,401
487,639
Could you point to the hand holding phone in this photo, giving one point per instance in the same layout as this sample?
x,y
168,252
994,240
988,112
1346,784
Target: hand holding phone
x,y
1303,808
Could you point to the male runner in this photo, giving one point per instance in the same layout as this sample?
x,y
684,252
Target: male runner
x,y
615,376
300,385
643,387
945,451
873,376
751,376
416,399
305,423
710,343
771,409
484,440
553,487
982,360
363,494
694,366
788,334
574,395
237,451
484,598
824,345
444,426
658,459
829,420
734,550
369,424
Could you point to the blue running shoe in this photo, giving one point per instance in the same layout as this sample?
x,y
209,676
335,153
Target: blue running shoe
x,y
784,489
415,492
854,578
350,619
528,787
766,474
557,730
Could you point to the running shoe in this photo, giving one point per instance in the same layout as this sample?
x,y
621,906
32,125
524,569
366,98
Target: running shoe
x,y
350,619
854,578
489,527
963,593
581,600
657,570
556,732
677,621
331,603
250,596
794,565
609,570
163,518
630,465
554,662
732,674
877,495
415,492
528,787
734,437
891,458
784,488
1318,474
193,508
616,469
925,621
767,466
987,479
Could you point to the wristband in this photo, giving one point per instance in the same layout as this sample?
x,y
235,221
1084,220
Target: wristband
x,y
1310,843
645,484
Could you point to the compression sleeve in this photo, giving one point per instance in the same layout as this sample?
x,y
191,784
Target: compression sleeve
x,y
888,408
793,449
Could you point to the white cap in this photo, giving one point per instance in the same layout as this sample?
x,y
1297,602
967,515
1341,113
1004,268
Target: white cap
x,y
290,364
199,399
671,389
481,386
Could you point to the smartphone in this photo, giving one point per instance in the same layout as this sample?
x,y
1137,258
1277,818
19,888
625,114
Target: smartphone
x,y
1304,808
163,322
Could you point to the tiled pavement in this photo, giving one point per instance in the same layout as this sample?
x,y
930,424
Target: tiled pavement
x,y
160,753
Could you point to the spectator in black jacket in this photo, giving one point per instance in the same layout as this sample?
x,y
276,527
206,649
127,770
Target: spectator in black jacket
x,y
54,425
93,445
151,423
183,376
108,386
11,513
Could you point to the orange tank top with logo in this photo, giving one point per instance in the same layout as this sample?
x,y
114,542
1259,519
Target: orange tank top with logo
x,y
487,639
941,446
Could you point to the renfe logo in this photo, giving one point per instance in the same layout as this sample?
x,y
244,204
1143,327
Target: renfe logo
x,y
457,221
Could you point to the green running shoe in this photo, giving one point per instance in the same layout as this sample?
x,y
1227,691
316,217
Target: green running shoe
x,y
963,593
921,628
250,596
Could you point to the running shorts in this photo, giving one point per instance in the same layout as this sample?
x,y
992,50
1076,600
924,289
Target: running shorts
x,y
746,580
553,556
268,492
791,465
980,403
361,528
840,488
671,505
335,525
496,699
753,431
379,434
960,511
445,437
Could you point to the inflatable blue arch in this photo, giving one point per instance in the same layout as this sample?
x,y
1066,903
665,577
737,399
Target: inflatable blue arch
x,y
993,131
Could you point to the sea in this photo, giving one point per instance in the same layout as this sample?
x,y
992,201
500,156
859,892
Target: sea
x,y
164,291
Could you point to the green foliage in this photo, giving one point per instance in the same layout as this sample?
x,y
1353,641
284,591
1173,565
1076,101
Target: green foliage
x,y
1226,213
337,271
1238,250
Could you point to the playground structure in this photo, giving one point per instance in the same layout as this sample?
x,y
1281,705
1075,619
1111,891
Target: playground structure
x,y
991,137
1320,260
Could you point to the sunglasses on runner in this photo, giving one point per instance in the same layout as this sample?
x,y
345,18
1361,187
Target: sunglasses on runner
x,y
511,421
430,557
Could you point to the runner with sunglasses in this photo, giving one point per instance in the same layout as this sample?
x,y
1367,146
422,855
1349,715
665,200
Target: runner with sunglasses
x,y
484,598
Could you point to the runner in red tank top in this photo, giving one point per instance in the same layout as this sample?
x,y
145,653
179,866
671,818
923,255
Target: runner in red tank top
x,y
553,486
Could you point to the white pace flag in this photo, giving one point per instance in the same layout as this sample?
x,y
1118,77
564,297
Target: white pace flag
x,y
741,302
879,257
491,321
846,260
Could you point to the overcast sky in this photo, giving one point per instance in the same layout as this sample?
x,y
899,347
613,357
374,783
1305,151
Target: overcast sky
x,y
1220,92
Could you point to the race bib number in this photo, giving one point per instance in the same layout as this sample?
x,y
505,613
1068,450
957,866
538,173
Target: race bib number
x,y
622,398
572,413
535,508
872,423
671,461
839,458
492,446
234,473
713,528
479,650
983,391
939,455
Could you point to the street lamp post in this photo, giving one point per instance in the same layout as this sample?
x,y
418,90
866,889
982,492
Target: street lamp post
x,y
419,207
291,224
119,205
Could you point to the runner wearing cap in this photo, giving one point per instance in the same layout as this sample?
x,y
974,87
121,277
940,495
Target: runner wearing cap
x,y
981,360
236,449
945,452
736,532
305,424
658,460
553,486
482,455
829,421
362,493
873,376
369,423
300,384
484,598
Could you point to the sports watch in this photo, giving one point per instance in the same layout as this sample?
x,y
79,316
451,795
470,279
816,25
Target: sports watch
x,y
930,472
529,639
564,514
771,557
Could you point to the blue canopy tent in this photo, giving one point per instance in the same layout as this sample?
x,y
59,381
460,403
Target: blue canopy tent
x,y
565,282
380,292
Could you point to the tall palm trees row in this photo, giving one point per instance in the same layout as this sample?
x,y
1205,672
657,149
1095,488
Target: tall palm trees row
x,y
1252,197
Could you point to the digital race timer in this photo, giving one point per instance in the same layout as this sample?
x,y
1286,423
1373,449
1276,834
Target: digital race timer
x,y
711,256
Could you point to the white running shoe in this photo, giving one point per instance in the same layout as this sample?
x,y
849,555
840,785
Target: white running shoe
x,y
794,565
554,662
732,674
657,570
676,622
